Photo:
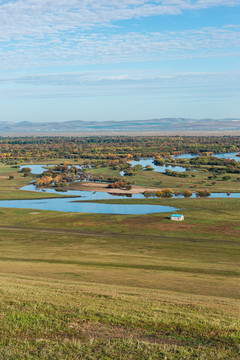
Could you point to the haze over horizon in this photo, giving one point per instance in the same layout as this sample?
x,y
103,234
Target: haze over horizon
x,y
96,60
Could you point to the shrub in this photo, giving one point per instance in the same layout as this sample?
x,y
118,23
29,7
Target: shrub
x,y
148,168
226,178
167,193
203,193
187,193
26,170
148,193
159,161
117,185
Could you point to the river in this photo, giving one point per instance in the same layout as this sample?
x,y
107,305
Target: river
x,y
73,204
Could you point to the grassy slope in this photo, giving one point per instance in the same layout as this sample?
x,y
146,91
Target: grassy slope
x,y
151,294
121,287
69,320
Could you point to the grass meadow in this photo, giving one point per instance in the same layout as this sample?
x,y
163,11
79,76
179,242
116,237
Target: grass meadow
x,y
92,286
161,180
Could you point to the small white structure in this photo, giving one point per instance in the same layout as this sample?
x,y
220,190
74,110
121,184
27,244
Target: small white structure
x,y
177,217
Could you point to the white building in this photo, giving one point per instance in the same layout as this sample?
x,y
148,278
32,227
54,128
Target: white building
x,y
177,217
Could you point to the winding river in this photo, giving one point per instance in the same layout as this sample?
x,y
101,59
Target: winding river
x,y
79,204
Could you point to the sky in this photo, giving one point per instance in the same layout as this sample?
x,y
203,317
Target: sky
x,y
99,60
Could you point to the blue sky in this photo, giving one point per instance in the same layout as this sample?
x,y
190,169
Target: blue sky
x,y
100,60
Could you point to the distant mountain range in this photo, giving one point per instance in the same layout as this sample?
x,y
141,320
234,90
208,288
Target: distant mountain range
x,y
154,125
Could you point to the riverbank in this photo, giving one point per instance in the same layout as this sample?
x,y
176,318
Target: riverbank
x,y
103,187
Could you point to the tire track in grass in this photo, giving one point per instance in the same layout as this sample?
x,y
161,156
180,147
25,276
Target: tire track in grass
x,y
110,234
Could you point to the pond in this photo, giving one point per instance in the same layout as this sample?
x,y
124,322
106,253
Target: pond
x,y
65,204
149,161
36,169
77,204
231,156
39,169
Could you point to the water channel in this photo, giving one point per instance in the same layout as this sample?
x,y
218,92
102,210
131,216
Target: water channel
x,y
38,169
231,156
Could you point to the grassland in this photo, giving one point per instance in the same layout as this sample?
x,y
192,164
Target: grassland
x,y
161,180
80,285
91,286
9,189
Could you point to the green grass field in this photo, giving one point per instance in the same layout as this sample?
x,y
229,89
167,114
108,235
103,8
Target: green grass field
x,y
159,180
91,286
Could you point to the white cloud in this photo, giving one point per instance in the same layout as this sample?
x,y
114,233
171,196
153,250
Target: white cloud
x,y
51,33
121,80
38,18
96,48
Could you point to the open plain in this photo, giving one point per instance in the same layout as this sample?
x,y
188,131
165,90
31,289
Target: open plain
x,y
111,286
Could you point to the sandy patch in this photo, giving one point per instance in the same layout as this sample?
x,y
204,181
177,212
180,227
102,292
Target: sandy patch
x,y
90,186
34,213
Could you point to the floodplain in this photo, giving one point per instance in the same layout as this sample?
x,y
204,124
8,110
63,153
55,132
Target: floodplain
x,y
110,286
